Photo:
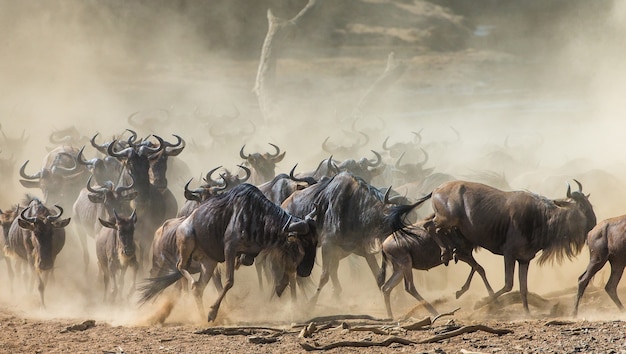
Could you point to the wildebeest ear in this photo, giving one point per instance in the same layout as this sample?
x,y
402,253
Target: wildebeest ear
x,y
60,224
106,223
25,224
96,198
130,196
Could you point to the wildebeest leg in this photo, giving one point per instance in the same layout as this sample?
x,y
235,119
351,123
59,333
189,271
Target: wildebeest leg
x,y
135,268
207,267
523,283
596,263
371,262
82,237
217,279
475,268
105,277
112,275
185,245
509,269
41,286
409,286
9,272
394,280
229,254
611,286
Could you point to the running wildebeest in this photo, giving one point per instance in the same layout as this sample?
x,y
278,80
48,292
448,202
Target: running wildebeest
x,y
115,249
263,165
241,221
606,243
352,217
37,236
515,225
420,251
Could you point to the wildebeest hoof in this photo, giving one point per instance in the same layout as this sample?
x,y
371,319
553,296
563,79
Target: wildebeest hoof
x,y
212,315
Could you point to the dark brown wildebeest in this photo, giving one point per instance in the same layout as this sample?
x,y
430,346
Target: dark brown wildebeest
x,y
515,225
420,251
606,243
353,217
263,165
115,249
37,237
241,221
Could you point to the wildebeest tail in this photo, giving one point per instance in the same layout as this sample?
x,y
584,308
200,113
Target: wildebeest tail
x,y
397,216
154,286
382,273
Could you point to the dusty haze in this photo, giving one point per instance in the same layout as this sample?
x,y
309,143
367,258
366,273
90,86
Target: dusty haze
x,y
554,94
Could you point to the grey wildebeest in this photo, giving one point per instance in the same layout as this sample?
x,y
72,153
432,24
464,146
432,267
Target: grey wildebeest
x,y
6,220
263,165
241,221
115,249
352,217
420,251
515,225
606,243
37,237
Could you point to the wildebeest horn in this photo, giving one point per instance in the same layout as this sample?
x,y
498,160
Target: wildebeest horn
x,y
153,150
175,149
242,154
308,180
248,173
398,161
386,199
222,188
90,188
80,159
132,137
131,120
117,217
418,136
569,190
102,148
55,217
25,176
385,144
325,146
312,214
27,218
208,178
367,139
125,153
425,158
277,151
122,189
580,186
192,194
379,160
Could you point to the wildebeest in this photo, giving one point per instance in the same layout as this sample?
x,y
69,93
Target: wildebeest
x,y
6,220
115,249
515,224
263,165
420,251
353,217
241,221
606,243
37,237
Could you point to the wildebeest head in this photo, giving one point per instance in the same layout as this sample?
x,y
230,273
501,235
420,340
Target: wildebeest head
x,y
411,172
125,230
582,201
227,177
103,170
42,228
6,219
264,165
52,179
364,168
158,160
398,149
112,197
302,242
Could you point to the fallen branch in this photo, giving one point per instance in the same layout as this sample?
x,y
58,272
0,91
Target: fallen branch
x,y
361,344
450,313
463,330
238,331
85,325
338,318
417,325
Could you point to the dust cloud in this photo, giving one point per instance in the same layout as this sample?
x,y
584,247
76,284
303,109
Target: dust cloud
x,y
536,99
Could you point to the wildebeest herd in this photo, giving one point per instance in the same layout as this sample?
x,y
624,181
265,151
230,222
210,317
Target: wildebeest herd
x,y
280,222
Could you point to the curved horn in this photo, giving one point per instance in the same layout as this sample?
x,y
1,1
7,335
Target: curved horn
x,y
326,147
418,136
121,154
425,158
248,173
55,217
153,150
192,194
277,150
80,159
175,149
27,218
100,190
25,176
379,160
122,189
102,148
569,190
131,120
222,188
386,199
242,154
308,180
385,147
208,178
580,186
132,137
